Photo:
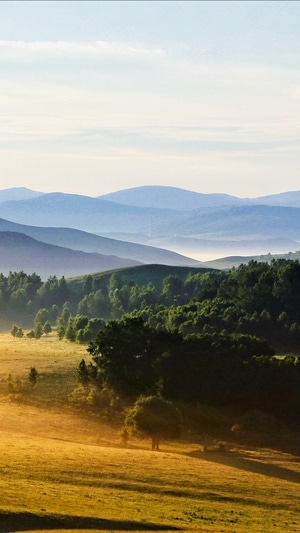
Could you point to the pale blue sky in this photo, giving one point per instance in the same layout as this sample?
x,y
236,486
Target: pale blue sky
x,y
101,96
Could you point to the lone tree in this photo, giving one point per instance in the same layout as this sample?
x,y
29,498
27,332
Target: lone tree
x,y
14,330
155,418
32,376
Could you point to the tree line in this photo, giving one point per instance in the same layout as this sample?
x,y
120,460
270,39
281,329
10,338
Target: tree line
x,y
206,338
132,359
258,299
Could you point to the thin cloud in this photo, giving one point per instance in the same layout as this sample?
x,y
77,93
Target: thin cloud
x,y
57,49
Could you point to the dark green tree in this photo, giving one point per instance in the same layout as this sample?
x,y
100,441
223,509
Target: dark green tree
x,y
127,354
20,333
38,330
47,328
14,330
155,418
42,316
33,375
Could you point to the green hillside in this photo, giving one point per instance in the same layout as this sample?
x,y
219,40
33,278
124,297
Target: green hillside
x,y
141,275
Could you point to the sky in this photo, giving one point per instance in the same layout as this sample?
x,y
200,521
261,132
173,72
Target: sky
x,y
101,96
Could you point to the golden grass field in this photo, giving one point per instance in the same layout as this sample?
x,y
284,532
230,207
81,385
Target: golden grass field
x,y
63,470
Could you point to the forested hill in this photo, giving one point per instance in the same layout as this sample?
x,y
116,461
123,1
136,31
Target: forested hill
x,y
198,336
140,275
259,299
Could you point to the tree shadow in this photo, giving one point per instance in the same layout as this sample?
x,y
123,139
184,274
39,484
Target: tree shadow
x,y
11,522
237,459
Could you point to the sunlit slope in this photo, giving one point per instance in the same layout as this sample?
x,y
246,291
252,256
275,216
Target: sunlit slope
x,y
58,464
111,487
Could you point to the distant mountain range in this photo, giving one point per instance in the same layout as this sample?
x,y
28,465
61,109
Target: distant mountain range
x,y
182,200
160,197
154,224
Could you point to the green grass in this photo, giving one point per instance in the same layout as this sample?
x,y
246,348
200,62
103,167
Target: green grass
x,y
62,470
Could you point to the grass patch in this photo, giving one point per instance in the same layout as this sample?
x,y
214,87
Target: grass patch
x,y
65,470
56,362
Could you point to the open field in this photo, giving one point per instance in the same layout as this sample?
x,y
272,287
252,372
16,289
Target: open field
x,y
62,470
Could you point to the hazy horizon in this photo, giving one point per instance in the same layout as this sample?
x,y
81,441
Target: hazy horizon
x,y
138,186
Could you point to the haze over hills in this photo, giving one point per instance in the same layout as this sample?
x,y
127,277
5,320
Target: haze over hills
x,y
223,225
287,199
83,212
88,242
183,200
20,252
163,197
18,193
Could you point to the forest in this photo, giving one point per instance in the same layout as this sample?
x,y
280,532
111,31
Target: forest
x,y
215,337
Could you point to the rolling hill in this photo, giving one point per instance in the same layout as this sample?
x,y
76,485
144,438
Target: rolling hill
x,y
161,197
223,225
20,252
286,199
87,242
144,274
101,216
18,193
85,213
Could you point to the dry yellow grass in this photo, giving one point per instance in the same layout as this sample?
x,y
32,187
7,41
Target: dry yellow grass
x,y
57,465
55,361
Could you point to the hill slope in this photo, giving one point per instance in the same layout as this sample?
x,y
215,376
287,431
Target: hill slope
x,y
287,199
144,274
158,196
161,197
18,193
85,213
82,212
250,228
20,252
88,242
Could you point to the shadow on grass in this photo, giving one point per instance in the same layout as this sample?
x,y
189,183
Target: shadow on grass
x,y
13,521
238,460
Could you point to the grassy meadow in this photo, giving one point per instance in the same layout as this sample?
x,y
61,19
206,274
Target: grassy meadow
x,y
63,469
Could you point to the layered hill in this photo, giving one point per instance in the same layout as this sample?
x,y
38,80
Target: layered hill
x,y
20,252
183,200
18,193
191,224
162,197
85,213
90,243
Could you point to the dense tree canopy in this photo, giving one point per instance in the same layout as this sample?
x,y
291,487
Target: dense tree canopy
x,y
202,337
155,418
260,299
127,353
132,358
